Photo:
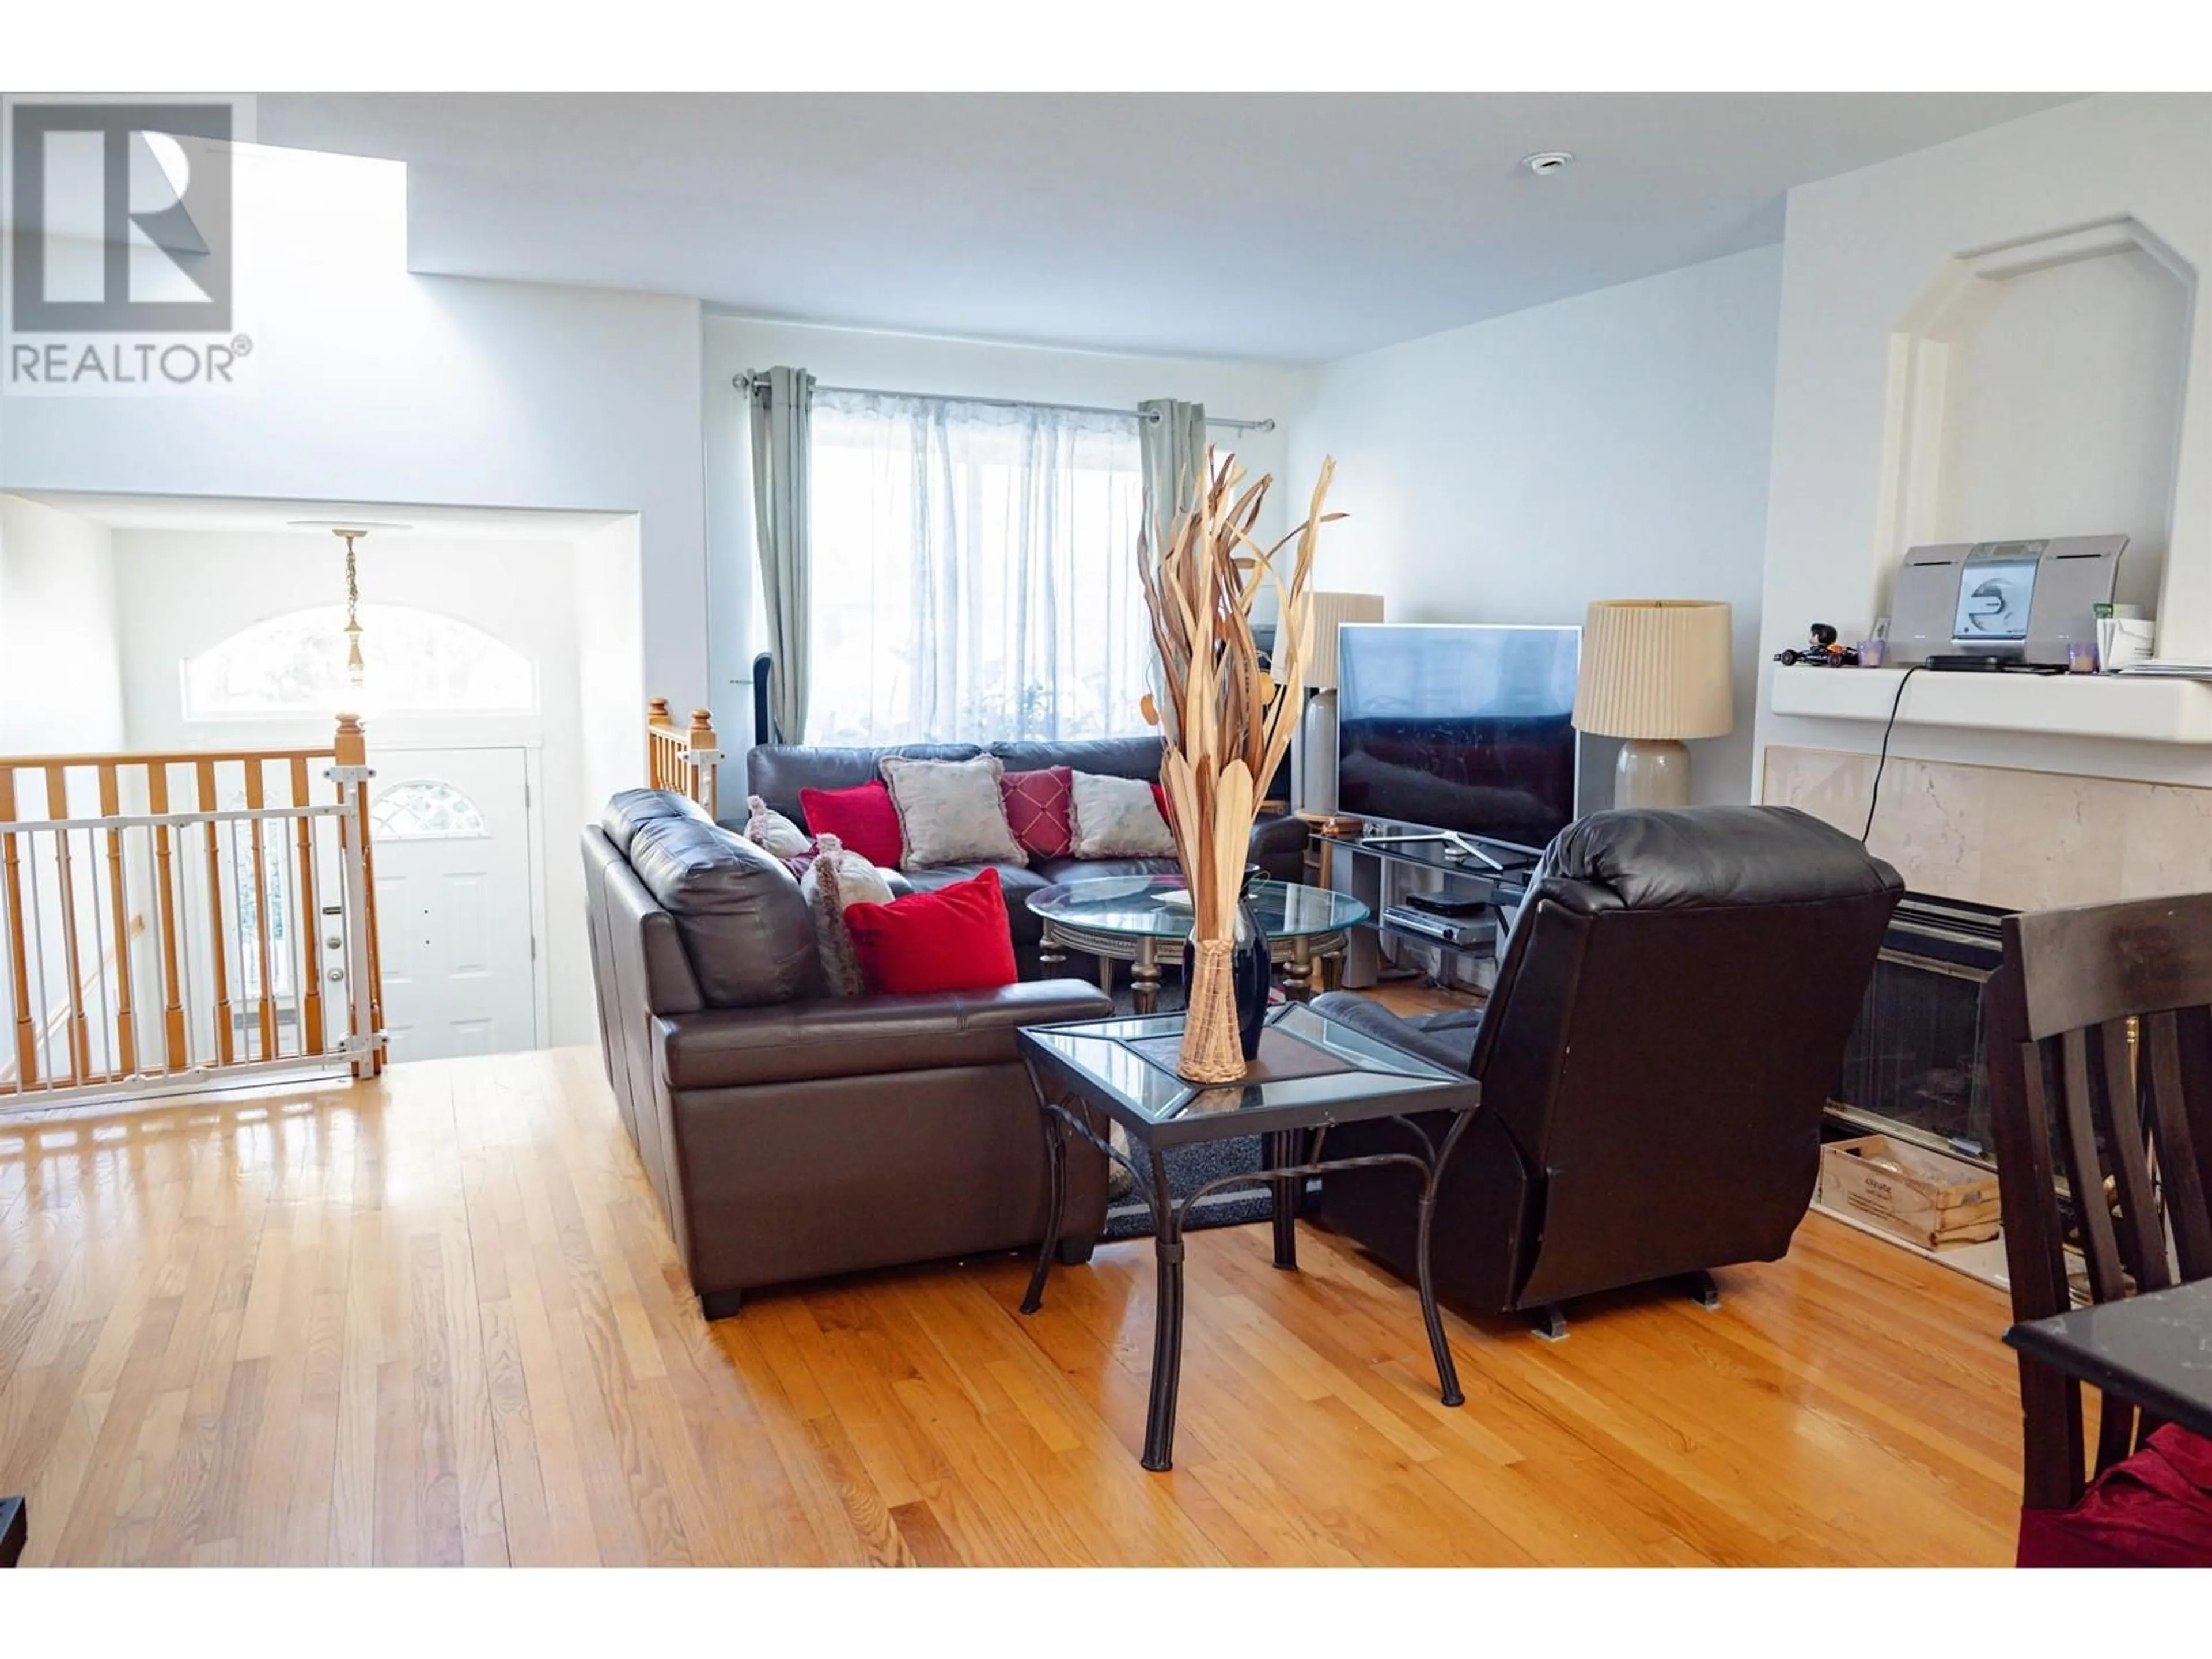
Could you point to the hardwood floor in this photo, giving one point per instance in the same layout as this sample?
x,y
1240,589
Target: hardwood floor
x,y
438,1320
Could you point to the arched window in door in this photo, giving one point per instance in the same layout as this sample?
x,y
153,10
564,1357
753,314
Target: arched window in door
x,y
418,663
423,809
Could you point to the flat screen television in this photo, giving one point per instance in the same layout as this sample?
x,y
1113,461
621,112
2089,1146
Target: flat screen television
x,y
1462,728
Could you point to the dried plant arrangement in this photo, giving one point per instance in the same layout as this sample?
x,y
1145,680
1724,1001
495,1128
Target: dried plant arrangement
x,y
1227,720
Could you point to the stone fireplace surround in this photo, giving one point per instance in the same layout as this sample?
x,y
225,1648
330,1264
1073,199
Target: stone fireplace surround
x,y
2021,840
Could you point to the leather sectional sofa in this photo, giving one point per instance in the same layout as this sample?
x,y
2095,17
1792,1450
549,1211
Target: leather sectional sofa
x,y
777,773
790,1134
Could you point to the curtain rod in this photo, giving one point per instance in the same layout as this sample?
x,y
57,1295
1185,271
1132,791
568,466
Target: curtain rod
x,y
744,383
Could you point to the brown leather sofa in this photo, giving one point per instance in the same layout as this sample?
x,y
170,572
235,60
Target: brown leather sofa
x,y
791,1134
777,773
1669,1013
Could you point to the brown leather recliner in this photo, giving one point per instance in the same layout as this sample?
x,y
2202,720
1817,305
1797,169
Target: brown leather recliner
x,y
791,1134
1669,1014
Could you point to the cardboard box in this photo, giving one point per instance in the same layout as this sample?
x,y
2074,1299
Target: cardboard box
x,y
1917,1195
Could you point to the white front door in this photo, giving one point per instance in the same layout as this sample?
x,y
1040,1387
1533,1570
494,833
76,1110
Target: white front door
x,y
450,834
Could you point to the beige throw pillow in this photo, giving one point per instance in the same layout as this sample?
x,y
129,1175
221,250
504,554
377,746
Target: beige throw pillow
x,y
836,879
950,812
766,827
1118,818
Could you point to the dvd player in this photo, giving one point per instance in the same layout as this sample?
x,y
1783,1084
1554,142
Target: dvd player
x,y
1459,933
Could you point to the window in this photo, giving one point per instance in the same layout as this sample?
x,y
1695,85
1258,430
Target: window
x,y
974,571
418,662
424,810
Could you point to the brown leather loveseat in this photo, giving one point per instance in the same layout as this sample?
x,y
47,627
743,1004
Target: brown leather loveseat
x,y
791,1134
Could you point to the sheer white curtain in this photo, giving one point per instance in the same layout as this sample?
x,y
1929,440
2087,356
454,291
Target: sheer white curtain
x,y
974,571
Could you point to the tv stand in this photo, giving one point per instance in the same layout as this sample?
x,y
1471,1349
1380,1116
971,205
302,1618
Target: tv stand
x,y
1380,868
1451,838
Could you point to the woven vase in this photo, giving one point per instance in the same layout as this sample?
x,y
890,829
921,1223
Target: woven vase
x,y
1211,1050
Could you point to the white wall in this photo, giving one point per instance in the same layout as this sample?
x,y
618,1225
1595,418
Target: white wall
x,y
60,681
1611,446
924,365
181,591
366,384
1859,251
610,667
60,693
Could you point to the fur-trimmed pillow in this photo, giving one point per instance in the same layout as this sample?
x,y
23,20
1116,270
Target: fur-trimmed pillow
x,y
950,812
836,878
1119,818
766,827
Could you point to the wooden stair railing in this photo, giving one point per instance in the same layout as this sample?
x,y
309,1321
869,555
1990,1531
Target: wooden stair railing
x,y
681,757
168,920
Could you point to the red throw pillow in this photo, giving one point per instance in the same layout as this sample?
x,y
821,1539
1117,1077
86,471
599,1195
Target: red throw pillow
x,y
862,817
1041,809
955,938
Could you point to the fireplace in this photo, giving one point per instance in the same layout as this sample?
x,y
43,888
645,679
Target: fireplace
x,y
1914,1067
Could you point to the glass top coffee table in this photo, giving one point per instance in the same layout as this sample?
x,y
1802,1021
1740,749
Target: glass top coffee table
x,y
1145,921
1312,1074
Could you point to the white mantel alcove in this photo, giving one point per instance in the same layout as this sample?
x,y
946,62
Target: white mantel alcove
x,y
2005,336
2036,388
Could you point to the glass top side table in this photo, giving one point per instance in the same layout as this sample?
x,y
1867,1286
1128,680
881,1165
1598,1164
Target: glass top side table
x,y
1312,1074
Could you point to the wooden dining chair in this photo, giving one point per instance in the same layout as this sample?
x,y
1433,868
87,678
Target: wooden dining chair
x,y
2099,1043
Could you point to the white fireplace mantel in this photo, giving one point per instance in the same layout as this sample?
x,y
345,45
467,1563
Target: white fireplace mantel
x,y
2121,708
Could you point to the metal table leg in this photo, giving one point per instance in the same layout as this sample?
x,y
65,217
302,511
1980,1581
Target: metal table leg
x,y
1279,1151
1055,1155
1145,978
1167,1324
1447,1374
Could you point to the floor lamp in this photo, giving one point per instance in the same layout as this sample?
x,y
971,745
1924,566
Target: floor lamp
x,y
1313,766
1656,672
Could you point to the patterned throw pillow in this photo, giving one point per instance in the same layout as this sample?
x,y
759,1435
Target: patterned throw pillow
x,y
1119,818
769,828
1040,810
950,812
838,878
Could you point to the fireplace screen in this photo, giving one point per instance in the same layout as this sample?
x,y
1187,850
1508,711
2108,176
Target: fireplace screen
x,y
1914,1065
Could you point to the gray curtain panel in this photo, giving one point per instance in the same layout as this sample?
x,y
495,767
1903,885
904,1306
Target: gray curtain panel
x,y
782,405
1171,436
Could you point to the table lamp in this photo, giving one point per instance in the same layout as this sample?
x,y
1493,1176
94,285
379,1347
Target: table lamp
x,y
1655,672
1314,766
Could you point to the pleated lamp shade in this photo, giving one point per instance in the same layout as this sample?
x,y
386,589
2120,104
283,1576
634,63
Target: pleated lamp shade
x,y
1655,668
1326,613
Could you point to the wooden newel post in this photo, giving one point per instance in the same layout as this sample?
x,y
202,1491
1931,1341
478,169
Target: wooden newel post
x,y
350,746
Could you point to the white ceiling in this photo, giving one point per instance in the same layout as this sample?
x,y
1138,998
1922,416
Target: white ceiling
x,y
1291,228
246,517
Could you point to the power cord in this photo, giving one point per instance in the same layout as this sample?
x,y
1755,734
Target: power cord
x,y
1874,794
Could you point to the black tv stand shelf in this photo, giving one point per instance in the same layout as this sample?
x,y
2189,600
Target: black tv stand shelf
x,y
1442,856
1380,870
